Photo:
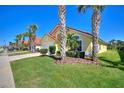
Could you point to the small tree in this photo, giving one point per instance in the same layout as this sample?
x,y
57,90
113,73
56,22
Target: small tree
x,y
52,49
72,42
43,51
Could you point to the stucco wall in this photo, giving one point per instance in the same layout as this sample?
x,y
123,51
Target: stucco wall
x,y
86,41
102,47
47,41
38,47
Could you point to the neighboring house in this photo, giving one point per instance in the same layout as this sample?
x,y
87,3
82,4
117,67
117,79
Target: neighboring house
x,y
84,38
37,43
12,46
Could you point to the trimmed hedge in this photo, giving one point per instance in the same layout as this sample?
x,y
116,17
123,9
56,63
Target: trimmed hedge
x,y
82,54
43,51
76,54
52,49
70,54
38,50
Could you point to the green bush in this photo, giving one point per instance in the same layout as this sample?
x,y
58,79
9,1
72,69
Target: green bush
x,y
82,54
52,49
38,50
77,54
43,51
24,49
122,49
58,53
70,54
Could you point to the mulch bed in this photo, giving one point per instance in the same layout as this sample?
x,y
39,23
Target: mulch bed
x,y
70,60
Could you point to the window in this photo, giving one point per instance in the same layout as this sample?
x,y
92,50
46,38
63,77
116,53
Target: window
x,y
80,46
77,37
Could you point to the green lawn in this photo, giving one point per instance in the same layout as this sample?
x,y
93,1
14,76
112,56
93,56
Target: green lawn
x,y
42,72
18,53
112,57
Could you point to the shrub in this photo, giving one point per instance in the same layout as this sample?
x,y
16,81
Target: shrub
x,y
52,49
43,51
38,50
82,54
77,54
58,53
70,54
25,49
122,49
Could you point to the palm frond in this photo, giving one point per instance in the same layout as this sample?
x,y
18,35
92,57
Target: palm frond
x,y
83,8
99,8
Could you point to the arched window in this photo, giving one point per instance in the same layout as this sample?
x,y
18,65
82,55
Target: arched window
x,y
77,37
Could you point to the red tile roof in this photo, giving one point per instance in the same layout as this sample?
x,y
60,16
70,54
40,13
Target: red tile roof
x,y
37,41
52,34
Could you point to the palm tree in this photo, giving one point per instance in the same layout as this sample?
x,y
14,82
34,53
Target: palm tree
x,y
62,11
19,41
96,19
32,35
25,34
72,42
113,44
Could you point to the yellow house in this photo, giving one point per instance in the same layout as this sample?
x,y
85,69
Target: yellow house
x,y
84,38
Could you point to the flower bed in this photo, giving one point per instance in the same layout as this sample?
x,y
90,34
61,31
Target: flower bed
x,y
70,60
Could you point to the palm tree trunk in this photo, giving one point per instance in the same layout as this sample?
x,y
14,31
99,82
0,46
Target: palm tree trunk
x,y
95,30
23,42
33,45
62,11
30,44
19,44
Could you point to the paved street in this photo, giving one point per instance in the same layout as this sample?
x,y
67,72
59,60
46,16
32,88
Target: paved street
x,y
6,76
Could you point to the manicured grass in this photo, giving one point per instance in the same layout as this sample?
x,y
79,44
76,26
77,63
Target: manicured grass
x,y
18,53
42,72
112,57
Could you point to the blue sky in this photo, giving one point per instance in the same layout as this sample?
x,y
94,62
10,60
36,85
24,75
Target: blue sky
x,y
15,20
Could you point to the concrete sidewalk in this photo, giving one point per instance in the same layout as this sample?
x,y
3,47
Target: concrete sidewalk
x,y
17,57
6,76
